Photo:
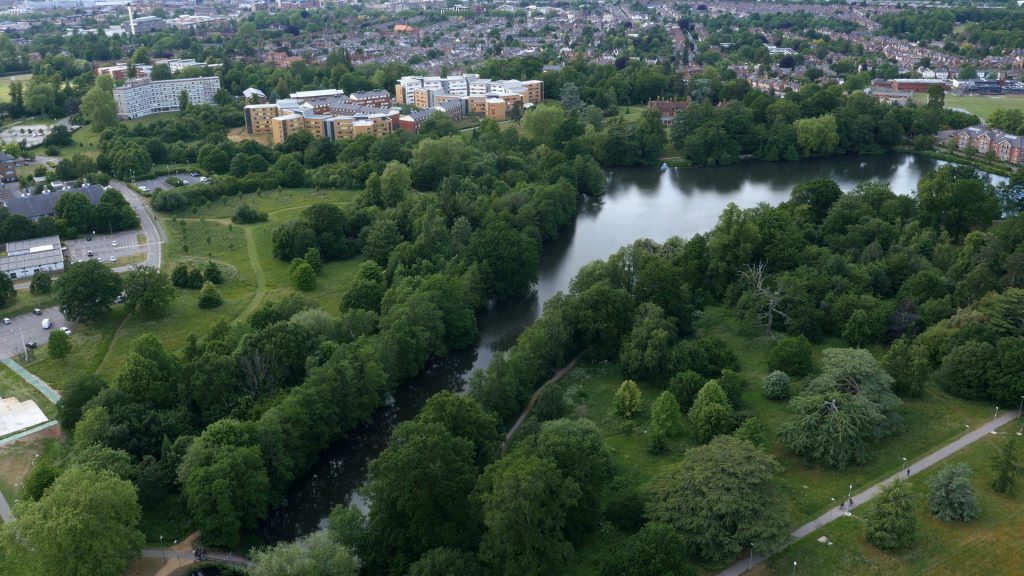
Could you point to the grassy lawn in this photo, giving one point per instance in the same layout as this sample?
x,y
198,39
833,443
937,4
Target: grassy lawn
x,y
24,302
12,385
5,85
981,106
989,545
933,420
252,276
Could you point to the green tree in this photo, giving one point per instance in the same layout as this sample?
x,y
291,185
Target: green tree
x,y
711,413
420,485
892,522
818,195
87,290
950,494
465,418
212,273
525,501
627,399
41,97
93,427
59,345
446,562
656,550
936,96
908,366
74,397
791,355
721,498
685,386
966,369
313,555
817,136
646,350
508,259
776,385
179,275
542,124
312,258
395,183
99,108
367,290
1005,467
303,276
7,290
148,290
858,329
666,419
103,538
957,200
183,100
76,210
209,296
41,284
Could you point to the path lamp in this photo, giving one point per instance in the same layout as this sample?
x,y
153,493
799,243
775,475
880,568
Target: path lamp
x,y
849,493
750,565
994,418
905,464
163,553
794,567
1020,411
832,510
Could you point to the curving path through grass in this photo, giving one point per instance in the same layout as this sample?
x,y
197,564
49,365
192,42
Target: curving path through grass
x,y
912,469
257,270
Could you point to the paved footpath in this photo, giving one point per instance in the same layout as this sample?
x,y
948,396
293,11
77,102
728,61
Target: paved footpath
x,y
861,498
44,388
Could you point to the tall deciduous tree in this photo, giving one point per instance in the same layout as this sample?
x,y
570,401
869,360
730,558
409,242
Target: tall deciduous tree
x,y
892,523
656,550
721,498
99,108
419,488
950,494
525,501
86,290
957,200
59,345
148,290
87,522
666,419
314,555
627,399
645,351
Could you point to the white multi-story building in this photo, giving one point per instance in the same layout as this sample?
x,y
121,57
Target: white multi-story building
x,y
468,85
145,97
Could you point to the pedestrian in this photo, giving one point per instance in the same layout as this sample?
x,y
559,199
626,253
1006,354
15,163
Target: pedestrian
x,y
851,503
908,472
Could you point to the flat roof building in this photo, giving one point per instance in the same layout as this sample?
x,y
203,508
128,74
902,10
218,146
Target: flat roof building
x,y
145,97
26,257
35,206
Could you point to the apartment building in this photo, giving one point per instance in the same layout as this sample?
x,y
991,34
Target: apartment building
x,y
422,91
144,97
332,117
8,164
1004,146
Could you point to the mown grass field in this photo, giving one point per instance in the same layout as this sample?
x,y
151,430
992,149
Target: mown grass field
x,y
252,277
989,546
933,420
980,106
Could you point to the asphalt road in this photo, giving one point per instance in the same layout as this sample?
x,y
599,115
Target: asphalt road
x,y
31,327
150,227
161,181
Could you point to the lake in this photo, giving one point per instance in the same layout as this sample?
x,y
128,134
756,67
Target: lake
x,y
640,203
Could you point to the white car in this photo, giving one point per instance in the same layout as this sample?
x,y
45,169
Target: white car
x,y
114,243
7,320
65,330
144,188
113,258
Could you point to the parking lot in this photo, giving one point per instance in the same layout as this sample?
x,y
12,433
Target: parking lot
x,y
161,182
103,248
31,328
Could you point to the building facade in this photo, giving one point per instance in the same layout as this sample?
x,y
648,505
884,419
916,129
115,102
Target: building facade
x,y
1005,147
421,91
144,97
8,164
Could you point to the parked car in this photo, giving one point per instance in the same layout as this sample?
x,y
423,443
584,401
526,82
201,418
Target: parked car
x,y
46,323
144,188
89,253
65,330
114,243
88,238
113,258
196,174
7,320
37,311
31,345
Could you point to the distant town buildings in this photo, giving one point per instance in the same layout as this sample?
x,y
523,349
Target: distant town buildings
x,y
7,166
323,113
144,97
423,91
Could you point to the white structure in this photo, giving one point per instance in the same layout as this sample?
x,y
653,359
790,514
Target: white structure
x,y
145,97
26,257
15,415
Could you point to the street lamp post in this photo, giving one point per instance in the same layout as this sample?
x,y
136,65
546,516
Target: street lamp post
x,y
794,567
163,553
750,565
905,465
832,510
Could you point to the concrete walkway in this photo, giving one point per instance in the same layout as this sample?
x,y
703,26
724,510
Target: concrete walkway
x,y
51,394
863,497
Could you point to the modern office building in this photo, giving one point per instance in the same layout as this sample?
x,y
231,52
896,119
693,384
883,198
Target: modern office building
x,y
144,97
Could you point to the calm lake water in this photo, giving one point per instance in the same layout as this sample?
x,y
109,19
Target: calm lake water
x,y
640,203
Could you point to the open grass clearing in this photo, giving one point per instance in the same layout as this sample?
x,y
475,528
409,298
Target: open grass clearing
x,y
89,344
270,201
989,545
980,106
932,421
13,385
5,85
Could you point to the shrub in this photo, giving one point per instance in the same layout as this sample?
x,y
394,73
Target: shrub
x,y
209,296
179,275
685,386
247,214
303,276
212,273
792,355
169,201
733,384
59,345
776,386
627,399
